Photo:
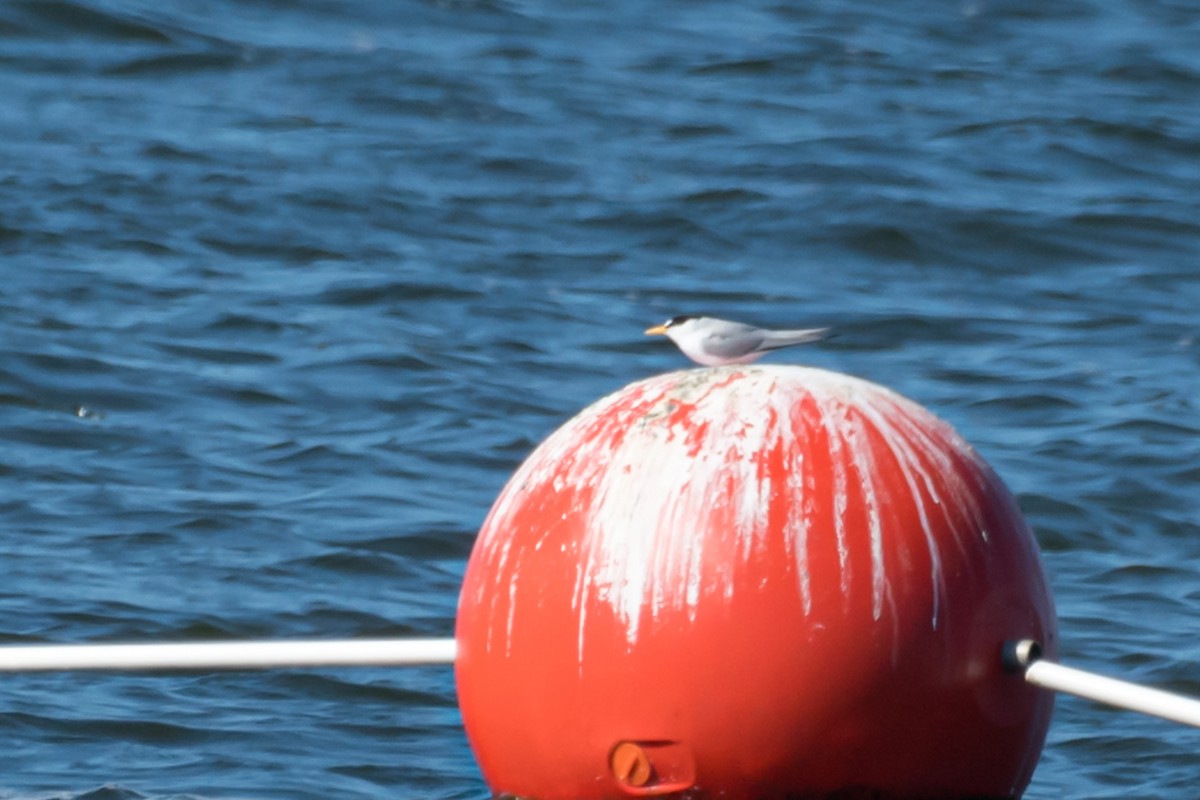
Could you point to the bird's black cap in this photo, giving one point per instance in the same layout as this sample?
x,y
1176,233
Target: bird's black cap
x,y
679,320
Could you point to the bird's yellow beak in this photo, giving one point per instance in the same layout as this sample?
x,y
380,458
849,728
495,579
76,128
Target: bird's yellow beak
x,y
656,330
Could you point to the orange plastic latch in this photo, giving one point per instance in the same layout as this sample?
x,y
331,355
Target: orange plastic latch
x,y
651,768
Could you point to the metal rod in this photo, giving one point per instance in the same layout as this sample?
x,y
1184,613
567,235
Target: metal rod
x,y
228,655
1026,655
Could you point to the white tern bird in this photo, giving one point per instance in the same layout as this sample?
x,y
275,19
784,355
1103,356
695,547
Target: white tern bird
x,y
714,342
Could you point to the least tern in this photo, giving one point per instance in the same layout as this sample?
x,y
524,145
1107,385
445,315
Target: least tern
x,y
714,342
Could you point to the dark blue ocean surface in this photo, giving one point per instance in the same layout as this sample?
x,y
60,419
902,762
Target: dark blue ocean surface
x,y
289,289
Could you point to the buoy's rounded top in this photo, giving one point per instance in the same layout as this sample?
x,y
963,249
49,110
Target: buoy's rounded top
x,y
746,582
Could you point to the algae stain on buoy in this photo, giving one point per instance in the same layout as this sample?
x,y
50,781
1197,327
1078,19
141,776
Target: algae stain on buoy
x,y
752,582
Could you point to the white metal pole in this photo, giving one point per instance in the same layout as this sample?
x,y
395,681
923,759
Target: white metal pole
x,y
1026,655
229,655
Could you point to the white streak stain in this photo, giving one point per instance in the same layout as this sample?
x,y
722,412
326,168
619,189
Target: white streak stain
x,y
833,417
864,466
679,464
796,530
977,472
512,603
905,453
935,451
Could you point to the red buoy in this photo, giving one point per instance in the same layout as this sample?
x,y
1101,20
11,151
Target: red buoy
x,y
751,583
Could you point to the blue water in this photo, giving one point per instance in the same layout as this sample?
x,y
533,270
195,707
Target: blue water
x,y
289,289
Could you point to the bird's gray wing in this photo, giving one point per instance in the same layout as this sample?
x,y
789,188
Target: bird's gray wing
x,y
734,342
773,340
